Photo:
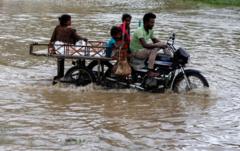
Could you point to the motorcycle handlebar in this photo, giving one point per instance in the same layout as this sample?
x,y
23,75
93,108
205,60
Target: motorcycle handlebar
x,y
171,45
171,38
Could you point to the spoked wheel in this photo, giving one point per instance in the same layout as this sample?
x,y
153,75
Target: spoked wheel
x,y
194,81
99,69
80,76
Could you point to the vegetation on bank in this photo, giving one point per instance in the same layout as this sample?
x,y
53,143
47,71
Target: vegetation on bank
x,y
185,4
219,2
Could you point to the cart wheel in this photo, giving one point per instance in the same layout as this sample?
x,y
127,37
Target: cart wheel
x,y
80,76
103,67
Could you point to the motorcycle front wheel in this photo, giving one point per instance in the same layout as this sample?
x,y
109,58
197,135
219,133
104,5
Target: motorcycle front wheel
x,y
194,80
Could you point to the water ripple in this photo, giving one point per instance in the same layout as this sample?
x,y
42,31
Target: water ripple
x,y
38,116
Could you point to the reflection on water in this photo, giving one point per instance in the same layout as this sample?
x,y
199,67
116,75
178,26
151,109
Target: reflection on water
x,y
38,116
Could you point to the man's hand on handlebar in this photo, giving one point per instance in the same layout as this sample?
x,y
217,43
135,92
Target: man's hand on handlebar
x,y
161,45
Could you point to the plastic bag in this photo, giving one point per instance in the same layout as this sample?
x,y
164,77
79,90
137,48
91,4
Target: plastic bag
x,y
123,68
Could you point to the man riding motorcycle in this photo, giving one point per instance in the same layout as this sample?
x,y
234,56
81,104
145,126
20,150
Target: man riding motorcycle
x,y
140,46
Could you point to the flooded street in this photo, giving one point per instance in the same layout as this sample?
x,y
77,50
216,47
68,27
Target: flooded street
x,y
34,115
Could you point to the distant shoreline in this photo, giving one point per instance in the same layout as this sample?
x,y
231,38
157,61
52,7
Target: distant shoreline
x,y
220,2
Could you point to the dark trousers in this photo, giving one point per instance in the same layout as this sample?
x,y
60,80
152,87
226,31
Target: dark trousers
x,y
60,67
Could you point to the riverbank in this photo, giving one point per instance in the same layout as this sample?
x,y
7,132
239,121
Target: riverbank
x,y
219,2
186,4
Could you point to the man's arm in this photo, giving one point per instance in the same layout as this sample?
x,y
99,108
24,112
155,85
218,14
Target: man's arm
x,y
153,45
51,42
78,37
155,40
53,37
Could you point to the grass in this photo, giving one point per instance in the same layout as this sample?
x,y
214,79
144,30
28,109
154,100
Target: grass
x,y
219,2
184,4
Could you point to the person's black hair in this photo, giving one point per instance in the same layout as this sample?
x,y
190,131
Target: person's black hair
x,y
148,16
64,19
125,16
115,30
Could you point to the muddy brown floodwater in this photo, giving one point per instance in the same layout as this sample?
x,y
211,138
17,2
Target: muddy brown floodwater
x,y
34,115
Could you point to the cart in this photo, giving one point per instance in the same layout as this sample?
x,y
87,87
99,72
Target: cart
x,y
89,61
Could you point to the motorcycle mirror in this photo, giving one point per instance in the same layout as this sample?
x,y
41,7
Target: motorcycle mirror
x,y
173,36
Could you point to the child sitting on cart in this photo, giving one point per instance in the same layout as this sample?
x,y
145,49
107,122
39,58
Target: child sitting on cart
x,y
117,49
114,43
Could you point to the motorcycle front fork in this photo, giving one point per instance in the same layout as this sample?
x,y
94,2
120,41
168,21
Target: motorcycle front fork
x,y
186,78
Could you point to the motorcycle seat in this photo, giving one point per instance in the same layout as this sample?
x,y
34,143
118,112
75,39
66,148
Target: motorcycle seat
x,y
137,63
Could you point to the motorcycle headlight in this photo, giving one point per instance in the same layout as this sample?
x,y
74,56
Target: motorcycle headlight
x,y
181,56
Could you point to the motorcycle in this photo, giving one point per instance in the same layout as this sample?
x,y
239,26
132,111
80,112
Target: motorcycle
x,y
171,69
